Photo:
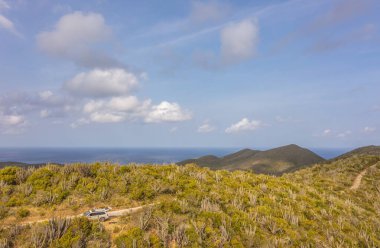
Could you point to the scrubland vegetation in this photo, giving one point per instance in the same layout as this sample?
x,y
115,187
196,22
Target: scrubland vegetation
x,y
196,207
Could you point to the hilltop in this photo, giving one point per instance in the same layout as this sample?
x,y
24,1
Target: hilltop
x,y
274,161
193,206
365,150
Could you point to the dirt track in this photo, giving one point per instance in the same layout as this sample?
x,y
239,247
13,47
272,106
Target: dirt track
x,y
115,213
358,179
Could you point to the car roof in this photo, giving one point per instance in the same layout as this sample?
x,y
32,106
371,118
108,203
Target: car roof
x,y
97,210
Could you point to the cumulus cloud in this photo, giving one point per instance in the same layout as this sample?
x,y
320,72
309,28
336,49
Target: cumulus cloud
x,y
102,83
115,109
75,36
105,117
244,125
167,112
205,128
126,108
239,41
46,103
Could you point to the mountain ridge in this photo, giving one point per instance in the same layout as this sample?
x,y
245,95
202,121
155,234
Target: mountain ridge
x,y
274,161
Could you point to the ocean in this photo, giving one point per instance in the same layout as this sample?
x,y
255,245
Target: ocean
x,y
123,155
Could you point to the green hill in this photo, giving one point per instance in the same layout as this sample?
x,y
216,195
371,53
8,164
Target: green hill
x,y
195,207
215,162
365,150
273,162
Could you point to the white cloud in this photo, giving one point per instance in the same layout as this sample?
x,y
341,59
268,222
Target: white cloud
x,y
102,83
80,122
45,95
12,123
74,37
239,41
369,129
344,134
12,120
244,125
118,109
8,25
333,133
327,132
106,117
124,104
167,112
205,128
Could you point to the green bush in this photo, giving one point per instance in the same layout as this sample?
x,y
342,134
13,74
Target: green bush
x,y
8,175
41,179
131,238
23,212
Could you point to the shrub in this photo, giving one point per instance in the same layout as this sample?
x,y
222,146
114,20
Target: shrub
x,y
41,179
23,212
131,238
3,212
9,175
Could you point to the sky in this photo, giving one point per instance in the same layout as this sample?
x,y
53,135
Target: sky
x,y
260,73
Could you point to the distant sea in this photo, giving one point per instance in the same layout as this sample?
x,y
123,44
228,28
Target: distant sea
x,y
123,155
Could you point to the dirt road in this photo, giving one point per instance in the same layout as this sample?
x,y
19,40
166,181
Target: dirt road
x,y
358,179
115,213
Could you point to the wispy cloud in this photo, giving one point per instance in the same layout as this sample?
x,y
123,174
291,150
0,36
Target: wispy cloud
x,y
206,127
340,13
329,133
8,25
369,129
244,125
252,14
364,33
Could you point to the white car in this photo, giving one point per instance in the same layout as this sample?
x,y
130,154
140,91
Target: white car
x,y
97,214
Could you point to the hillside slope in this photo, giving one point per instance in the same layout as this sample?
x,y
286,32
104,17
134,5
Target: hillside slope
x,y
365,150
215,162
196,207
274,162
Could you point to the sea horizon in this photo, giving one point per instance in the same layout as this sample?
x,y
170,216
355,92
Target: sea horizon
x,y
125,155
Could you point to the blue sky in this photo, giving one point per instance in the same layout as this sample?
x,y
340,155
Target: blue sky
x,y
189,73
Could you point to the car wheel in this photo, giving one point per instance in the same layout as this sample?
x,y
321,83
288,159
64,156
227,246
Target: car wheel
x,y
102,219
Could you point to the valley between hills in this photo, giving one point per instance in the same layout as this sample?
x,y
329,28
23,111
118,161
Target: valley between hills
x,y
324,203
